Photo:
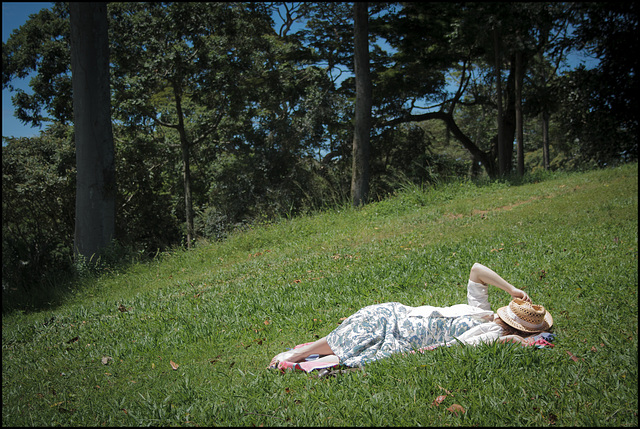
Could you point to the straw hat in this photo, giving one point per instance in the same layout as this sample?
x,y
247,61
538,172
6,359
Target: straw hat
x,y
525,316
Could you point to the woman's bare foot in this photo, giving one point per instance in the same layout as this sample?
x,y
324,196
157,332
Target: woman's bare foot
x,y
319,347
284,356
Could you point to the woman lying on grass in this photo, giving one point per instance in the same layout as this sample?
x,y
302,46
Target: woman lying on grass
x,y
377,331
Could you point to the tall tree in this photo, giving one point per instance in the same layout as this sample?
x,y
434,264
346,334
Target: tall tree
x,y
541,78
96,182
362,129
519,77
482,41
602,116
192,76
504,162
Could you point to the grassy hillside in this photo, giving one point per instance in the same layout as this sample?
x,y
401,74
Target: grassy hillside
x,y
105,353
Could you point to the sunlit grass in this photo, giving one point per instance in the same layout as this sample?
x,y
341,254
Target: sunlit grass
x,y
220,312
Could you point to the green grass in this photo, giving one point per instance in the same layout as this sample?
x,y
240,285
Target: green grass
x,y
223,310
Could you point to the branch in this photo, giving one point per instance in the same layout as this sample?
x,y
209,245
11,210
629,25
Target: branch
x,y
330,156
289,20
464,82
447,118
164,124
209,130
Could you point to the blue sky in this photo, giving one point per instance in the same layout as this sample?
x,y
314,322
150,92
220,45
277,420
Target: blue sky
x,y
15,14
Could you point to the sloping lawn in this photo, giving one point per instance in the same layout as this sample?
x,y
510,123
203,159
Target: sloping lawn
x,y
185,340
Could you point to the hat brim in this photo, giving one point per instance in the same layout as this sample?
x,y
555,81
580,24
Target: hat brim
x,y
548,321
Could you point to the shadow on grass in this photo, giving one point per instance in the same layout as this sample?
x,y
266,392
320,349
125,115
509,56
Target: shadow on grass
x,y
47,295
53,289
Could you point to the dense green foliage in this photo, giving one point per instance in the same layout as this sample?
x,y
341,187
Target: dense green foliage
x,y
100,353
230,115
38,202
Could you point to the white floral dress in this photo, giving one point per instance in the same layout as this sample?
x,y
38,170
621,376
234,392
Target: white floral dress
x,y
377,331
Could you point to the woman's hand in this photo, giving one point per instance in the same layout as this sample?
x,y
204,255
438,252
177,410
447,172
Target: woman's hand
x,y
519,293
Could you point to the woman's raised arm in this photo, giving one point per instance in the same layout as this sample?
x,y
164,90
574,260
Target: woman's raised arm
x,y
481,274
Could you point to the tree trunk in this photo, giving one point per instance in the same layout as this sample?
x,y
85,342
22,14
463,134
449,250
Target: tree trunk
x,y
519,77
96,184
186,167
502,152
361,135
544,116
545,139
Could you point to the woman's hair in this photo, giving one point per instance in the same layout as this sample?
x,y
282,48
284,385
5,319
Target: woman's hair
x,y
510,330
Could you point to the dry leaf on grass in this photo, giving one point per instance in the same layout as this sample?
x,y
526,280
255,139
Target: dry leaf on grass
x,y
173,365
439,400
106,360
575,359
456,408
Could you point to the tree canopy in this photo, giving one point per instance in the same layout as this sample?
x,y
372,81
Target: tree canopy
x,y
226,114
